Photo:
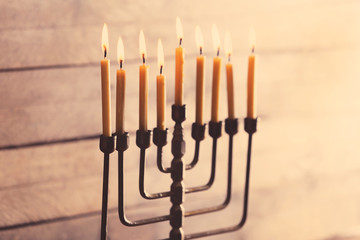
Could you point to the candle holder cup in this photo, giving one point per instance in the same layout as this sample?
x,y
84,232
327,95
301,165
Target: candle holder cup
x,y
176,170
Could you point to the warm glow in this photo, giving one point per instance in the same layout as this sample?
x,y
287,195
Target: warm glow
x,y
179,30
120,50
160,55
216,39
252,38
228,45
105,40
199,38
142,45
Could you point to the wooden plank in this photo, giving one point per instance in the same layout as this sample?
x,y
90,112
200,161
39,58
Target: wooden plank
x,y
312,219
87,227
60,104
310,123
71,99
69,32
37,188
35,180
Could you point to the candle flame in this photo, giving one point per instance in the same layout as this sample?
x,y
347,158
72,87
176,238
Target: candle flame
x,y
179,30
199,38
216,39
142,46
228,44
160,55
252,38
105,40
120,51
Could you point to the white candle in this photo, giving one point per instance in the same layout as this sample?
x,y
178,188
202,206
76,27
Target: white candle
x,y
200,73
179,65
143,85
229,77
105,85
160,89
251,105
120,89
216,77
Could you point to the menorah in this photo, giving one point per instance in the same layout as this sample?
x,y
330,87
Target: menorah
x,y
177,190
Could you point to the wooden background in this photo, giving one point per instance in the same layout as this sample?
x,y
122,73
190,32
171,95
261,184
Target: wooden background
x,y
306,171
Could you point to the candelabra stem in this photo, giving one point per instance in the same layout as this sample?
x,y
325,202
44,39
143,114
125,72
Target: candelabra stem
x,y
177,175
104,208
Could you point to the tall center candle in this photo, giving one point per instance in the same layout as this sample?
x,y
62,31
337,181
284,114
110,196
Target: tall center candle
x,y
200,70
179,65
216,77
143,85
120,89
105,85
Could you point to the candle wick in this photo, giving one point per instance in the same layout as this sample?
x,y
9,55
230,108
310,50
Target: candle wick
x,y
143,57
253,49
161,69
200,50
218,52
121,63
229,57
105,52
180,41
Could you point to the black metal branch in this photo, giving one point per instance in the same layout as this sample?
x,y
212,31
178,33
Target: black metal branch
x,y
104,208
159,140
107,147
196,156
198,134
121,204
245,205
215,133
187,167
212,173
228,189
143,193
159,161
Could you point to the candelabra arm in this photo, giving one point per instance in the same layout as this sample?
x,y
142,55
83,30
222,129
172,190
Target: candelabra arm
x,y
231,128
121,145
107,147
215,133
159,162
250,128
159,139
198,134
143,193
143,142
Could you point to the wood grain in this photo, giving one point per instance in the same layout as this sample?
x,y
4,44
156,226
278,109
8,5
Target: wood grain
x,y
35,180
305,154
55,38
